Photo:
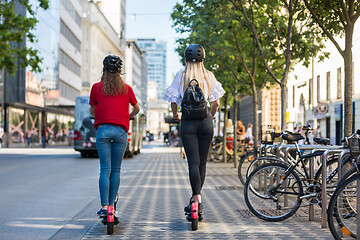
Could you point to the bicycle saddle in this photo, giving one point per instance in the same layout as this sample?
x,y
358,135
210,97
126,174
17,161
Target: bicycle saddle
x,y
322,141
292,136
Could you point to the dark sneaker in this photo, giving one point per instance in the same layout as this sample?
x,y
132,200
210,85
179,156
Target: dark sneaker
x,y
187,209
101,212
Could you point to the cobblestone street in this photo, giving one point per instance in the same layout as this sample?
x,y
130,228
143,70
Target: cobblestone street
x,y
155,191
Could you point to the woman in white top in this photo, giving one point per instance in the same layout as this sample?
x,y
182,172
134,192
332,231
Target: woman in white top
x,y
196,134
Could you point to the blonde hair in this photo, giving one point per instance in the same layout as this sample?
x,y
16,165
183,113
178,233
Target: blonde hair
x,y
229,122
113,84
196,70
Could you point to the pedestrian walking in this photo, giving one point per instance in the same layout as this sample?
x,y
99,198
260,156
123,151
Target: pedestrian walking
x,y
317,132
229,128
249,135
241,132
196,134
28,137
44,136
109,100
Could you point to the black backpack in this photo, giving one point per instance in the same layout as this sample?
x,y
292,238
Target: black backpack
x,y
194,104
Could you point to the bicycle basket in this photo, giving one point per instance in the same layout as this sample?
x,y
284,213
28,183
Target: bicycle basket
x,y
354,145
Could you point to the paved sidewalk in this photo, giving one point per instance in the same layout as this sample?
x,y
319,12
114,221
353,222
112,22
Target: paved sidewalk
x,y
152,201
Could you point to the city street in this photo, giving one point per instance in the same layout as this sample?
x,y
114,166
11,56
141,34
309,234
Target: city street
x,y
53,194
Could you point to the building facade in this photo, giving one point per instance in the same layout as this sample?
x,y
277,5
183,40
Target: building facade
x,y
156,58
73,39
156,113
134,59
316,93
70,57
100,39
269,110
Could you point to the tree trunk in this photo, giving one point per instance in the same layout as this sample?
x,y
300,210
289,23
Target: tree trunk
x,y
224,130
219,122
283,87
235,126
348,86
255,109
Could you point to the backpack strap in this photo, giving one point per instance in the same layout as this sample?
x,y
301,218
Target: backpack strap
x,y
195,82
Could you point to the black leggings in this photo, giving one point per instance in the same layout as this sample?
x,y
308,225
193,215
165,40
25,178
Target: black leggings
x,y
196,136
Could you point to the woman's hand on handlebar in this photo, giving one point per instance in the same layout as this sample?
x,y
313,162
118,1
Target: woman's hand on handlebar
x,y
177,117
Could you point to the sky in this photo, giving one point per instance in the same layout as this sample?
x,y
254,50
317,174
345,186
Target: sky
x,y
151,19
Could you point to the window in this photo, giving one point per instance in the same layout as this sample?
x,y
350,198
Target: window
x,y
69,63
318,88
68,91
328,86
69,35
338,80
71,11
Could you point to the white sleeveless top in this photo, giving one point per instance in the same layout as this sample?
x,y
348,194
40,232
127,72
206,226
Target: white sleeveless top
x,y
174,93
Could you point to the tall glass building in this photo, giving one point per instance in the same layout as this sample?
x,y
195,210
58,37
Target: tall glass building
x,y
156,58
47,31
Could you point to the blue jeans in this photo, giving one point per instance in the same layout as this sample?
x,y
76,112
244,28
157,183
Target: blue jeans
x,y
111,142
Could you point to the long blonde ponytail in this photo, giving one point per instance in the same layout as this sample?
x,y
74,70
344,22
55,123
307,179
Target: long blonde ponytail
x,y
198,71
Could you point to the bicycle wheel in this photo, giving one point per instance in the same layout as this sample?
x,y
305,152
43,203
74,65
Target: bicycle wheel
x,y
267,198
216,154
332,173
244,163
342,209
257,162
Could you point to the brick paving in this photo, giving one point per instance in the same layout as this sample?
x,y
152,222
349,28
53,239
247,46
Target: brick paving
x,y
155,192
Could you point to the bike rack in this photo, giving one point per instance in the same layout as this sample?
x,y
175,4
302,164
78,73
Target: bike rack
x,y
314,148
323,183
342,155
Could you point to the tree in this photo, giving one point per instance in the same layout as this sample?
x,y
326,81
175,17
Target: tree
x,y
13,28
337,18
294,39
231,48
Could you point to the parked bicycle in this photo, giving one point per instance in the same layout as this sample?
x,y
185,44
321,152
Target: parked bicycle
x,y
345,202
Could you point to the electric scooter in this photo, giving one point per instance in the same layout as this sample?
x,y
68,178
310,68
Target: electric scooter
x,y
111,218
193,215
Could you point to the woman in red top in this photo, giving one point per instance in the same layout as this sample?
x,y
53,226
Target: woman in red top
x,y
109,100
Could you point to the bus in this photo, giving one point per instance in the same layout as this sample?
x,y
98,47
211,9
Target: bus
x,y
85,132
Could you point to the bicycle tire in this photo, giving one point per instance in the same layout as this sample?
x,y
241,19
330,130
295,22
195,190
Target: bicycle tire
x,y
258,162
332,177
246,159
341,216
258,205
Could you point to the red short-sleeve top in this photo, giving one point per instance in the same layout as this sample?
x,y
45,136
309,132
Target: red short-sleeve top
x,y
112,109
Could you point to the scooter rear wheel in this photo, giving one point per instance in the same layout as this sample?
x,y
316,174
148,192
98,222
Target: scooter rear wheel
x,y
194,224
110,228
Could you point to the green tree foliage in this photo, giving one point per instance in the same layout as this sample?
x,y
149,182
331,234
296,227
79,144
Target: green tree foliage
x,y
231,50
294,39
13,28
337,18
